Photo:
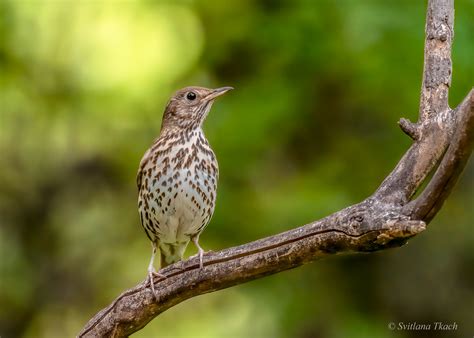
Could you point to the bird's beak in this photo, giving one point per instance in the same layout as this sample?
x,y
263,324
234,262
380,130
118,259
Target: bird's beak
x,y
217,92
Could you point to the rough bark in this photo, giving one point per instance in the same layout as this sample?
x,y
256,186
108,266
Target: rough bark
x,y
443,140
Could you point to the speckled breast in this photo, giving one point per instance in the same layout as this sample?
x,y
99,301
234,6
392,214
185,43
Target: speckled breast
x,y
177,187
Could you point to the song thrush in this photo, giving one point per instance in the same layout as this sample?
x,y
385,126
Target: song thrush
x,y
177,178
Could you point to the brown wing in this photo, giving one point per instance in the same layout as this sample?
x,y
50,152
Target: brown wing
x,y
142,165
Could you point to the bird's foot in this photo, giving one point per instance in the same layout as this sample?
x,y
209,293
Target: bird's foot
x,y
150,279
200,254
195,240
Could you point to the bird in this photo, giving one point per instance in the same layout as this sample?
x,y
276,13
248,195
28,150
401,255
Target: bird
x,y
177,179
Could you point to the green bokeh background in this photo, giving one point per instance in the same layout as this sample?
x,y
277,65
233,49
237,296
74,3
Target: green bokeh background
x,y
309,129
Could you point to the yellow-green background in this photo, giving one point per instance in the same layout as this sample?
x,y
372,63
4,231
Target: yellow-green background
x,y
309,129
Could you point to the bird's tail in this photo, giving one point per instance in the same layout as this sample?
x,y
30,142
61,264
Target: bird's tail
x,y
171,253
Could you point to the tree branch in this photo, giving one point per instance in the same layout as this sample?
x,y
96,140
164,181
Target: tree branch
x,y
431,137
384,220
437,62
365,227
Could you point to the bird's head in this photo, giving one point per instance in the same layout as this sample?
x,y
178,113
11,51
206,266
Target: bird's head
x,y
189,106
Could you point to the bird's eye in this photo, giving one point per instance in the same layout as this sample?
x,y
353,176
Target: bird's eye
x,y
191,96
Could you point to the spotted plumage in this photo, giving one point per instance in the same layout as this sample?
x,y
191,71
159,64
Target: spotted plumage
x,y
177,177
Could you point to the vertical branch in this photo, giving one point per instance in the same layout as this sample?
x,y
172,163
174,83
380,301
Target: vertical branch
x,y
437,61
432,130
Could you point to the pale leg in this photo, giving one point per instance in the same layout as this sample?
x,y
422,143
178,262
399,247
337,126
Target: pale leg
x,y
151,270
195,240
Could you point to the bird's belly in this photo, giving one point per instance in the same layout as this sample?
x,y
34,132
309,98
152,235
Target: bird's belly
x,y
183,210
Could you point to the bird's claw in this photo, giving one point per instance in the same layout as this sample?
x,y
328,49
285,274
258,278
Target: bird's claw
x,y
150,279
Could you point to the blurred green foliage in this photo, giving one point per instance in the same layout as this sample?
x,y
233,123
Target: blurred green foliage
x,y
310,128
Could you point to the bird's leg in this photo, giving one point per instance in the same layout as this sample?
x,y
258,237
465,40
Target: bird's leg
x,y
195,240
151,271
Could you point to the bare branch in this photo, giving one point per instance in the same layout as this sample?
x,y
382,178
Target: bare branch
x,y
365,227
431,136
437,62
384,220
